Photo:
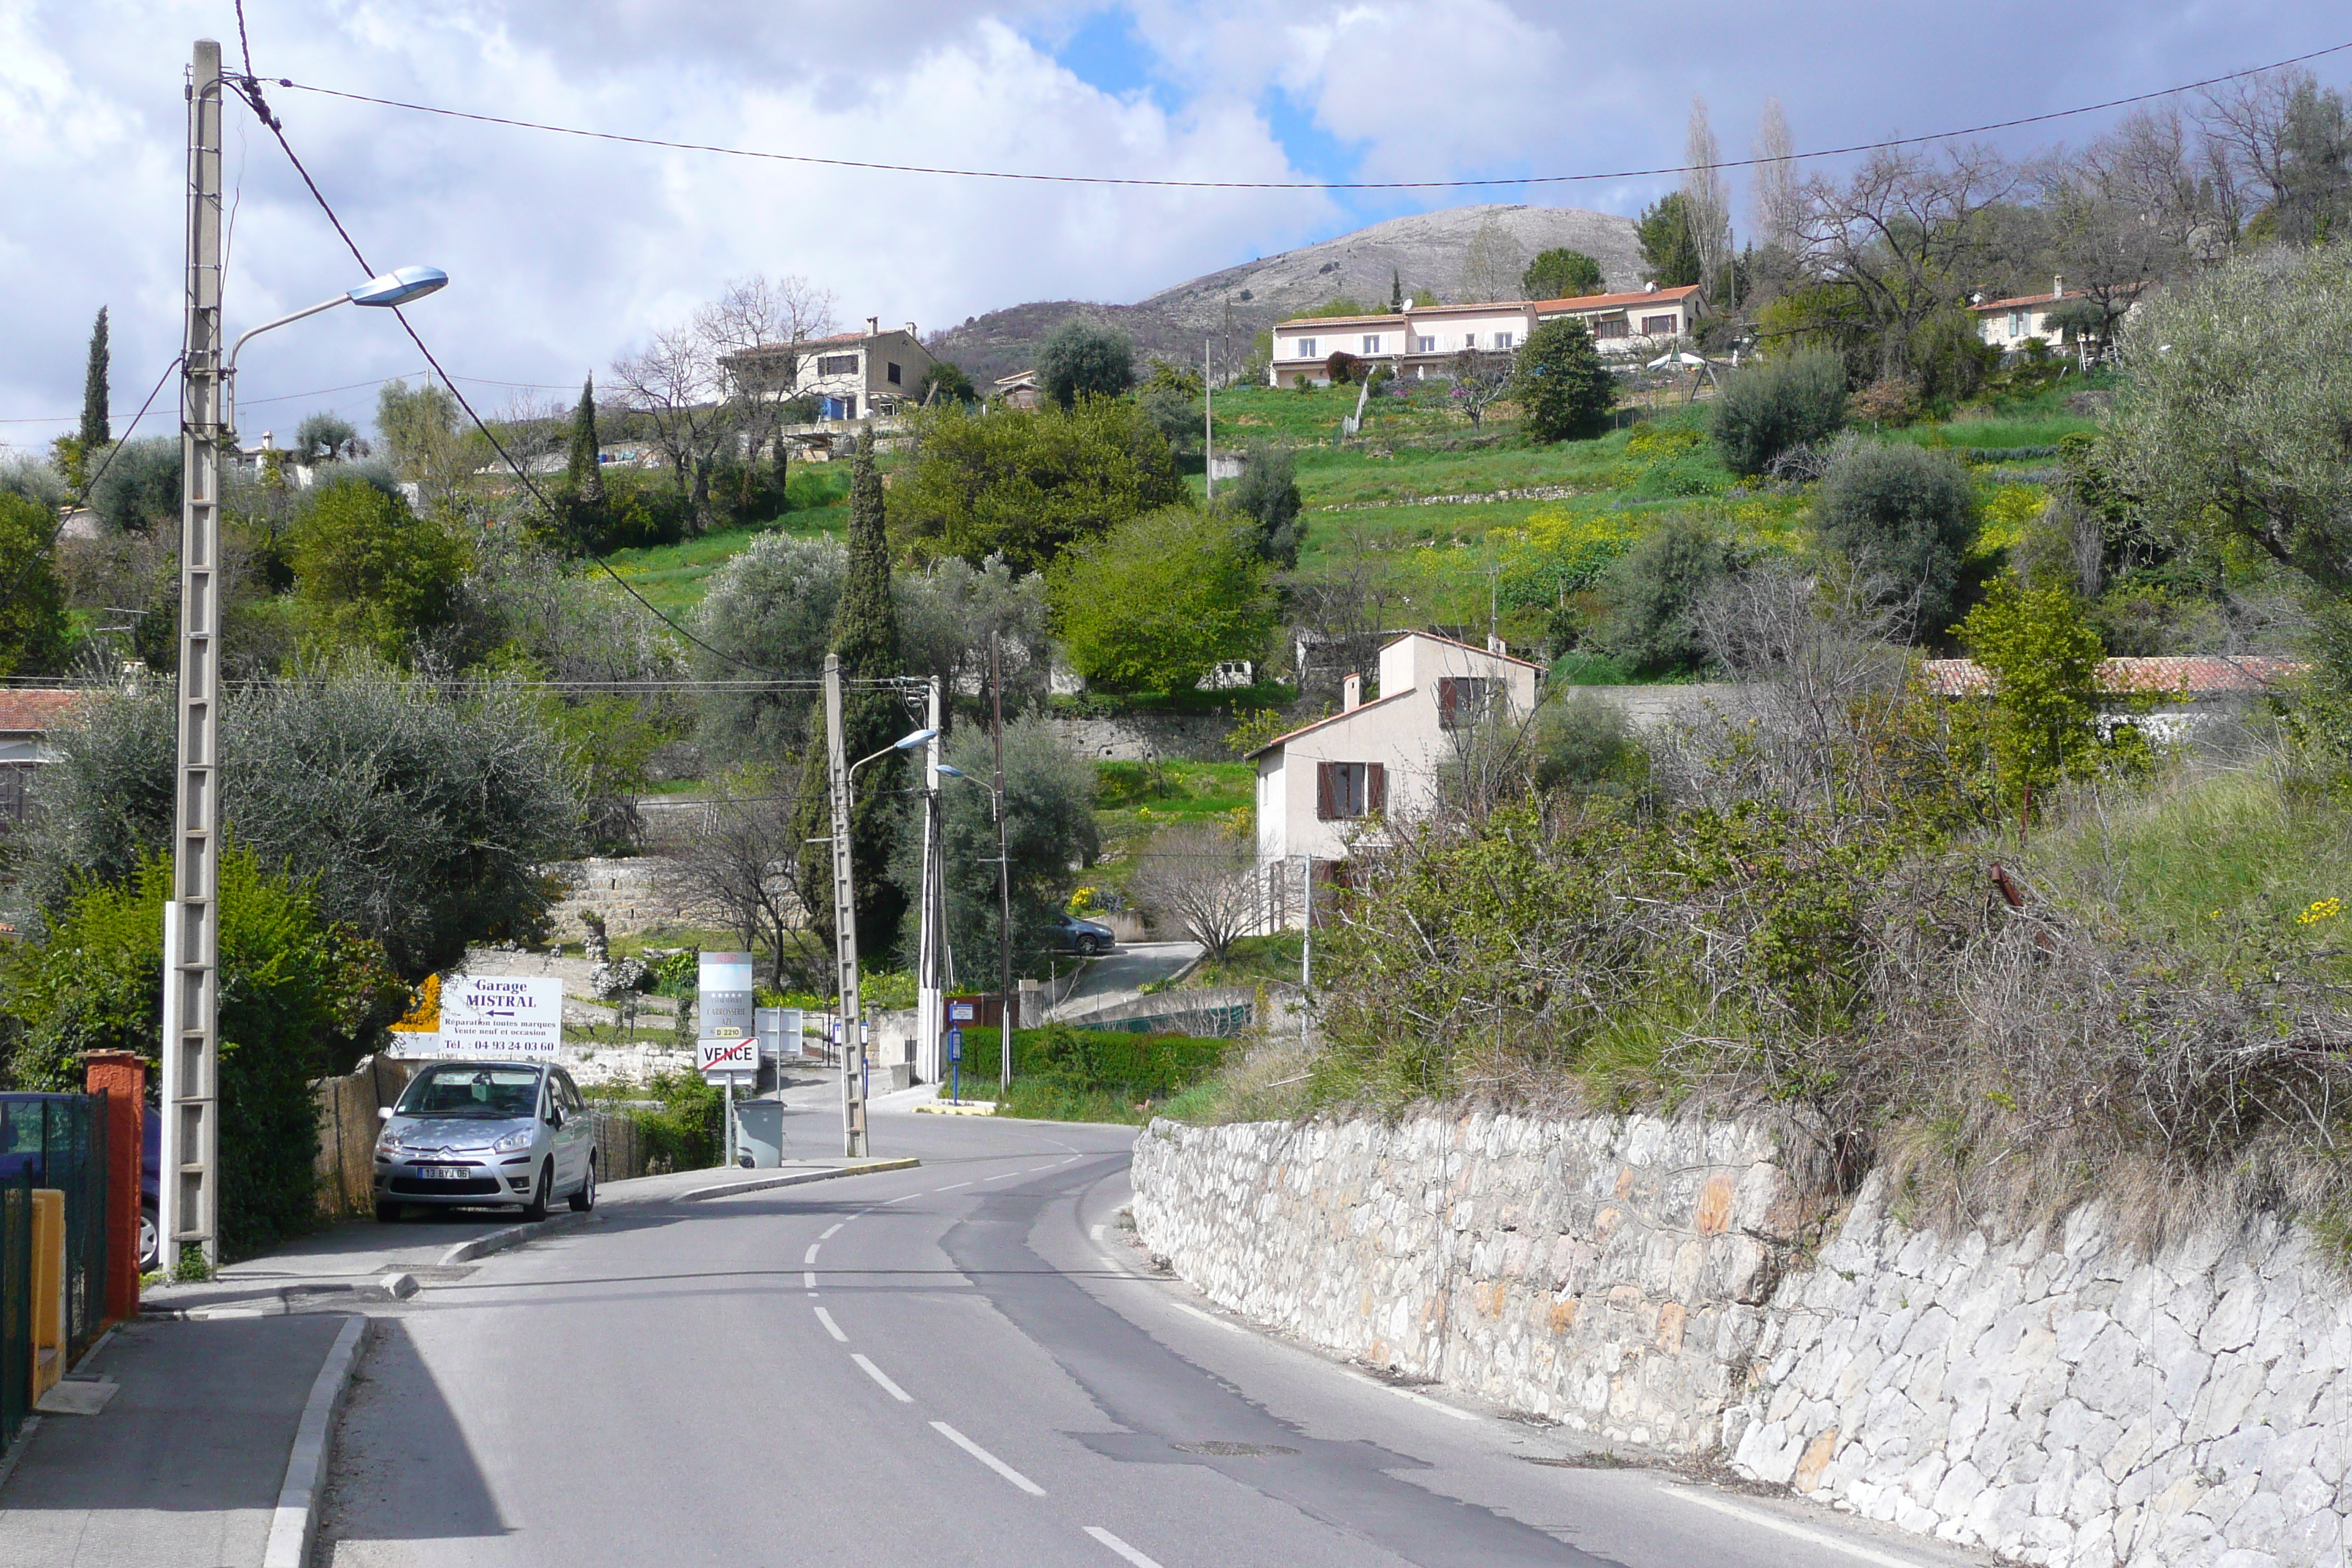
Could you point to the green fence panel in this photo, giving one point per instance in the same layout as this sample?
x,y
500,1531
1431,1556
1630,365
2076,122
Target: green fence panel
x,y
15,1306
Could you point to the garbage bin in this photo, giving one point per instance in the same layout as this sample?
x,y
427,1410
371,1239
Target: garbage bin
x,y
760,1131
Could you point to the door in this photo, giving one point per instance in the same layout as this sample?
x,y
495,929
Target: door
x,y
577,1137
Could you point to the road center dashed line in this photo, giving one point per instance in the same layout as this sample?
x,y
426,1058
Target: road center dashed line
x,y
984,1457
829,1235
808,1281
810,1256
878,1375
1121,1547
951,1187
830,1326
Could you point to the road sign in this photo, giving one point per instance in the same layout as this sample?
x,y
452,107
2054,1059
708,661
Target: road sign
x,y
962,1012
727,1057
955,1045
724,996
493,1015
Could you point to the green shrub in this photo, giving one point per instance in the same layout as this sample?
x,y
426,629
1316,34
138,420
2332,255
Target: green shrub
x,y
1903,512
1564,389
1095,1061
1080,360
1777,404
1158,604
1584,744
1648,595
1267,494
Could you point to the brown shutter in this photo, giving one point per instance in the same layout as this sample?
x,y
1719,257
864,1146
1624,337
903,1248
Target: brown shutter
x,y
1325,807
1376,788
1449,698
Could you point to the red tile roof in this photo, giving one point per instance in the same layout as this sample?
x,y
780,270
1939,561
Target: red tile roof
x,y
2029,299
29,710
1392,319
2192,676
1610,301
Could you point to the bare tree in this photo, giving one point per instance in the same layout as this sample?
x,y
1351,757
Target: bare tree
x,y
1204,879
1706,201
1779,212
675,389
2146,166
1895,236
1493,265
754,332
1481,377
742,861
1341,613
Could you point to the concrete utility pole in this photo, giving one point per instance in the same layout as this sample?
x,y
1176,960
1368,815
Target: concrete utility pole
x,y
1208,422
189,1190
844,922
1004,892
929,969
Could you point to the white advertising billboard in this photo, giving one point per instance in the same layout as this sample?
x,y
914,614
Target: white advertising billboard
x,y
485,1017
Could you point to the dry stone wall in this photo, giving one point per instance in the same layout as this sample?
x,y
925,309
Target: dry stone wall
x,y
2055,1397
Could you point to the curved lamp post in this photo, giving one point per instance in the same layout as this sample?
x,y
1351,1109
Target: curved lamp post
x,y
397,287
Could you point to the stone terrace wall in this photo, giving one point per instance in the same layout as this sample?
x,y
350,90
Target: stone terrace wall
x,y
2059,1398
1609,1275
2053,1397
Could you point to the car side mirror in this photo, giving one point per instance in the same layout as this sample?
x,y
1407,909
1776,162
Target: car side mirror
x,y
554,1116
383,1113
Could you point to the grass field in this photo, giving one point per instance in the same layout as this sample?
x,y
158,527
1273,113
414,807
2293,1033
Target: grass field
x,y
671,576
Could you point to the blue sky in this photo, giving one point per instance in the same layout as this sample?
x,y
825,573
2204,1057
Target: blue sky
x,y
564,253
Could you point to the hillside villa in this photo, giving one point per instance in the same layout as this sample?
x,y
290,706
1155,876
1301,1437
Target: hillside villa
x,y
1321,784
1420,341
2007,324
853,375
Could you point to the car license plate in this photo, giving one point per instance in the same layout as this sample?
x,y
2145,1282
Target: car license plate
x,y
441,1173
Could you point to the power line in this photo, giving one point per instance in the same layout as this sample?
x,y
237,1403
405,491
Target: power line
x,y
812,159
324,391
251,91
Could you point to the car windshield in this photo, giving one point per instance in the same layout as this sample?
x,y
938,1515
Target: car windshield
x,y
502,1094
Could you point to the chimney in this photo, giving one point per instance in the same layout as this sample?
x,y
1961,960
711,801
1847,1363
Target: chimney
x,y
2058,287
873,326
912,333
1351,694
1649,285
1496,644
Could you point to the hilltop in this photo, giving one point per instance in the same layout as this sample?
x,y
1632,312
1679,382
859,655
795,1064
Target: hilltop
x,y
1424,250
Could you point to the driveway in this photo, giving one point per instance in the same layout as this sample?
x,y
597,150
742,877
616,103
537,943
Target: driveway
x,y
1124,972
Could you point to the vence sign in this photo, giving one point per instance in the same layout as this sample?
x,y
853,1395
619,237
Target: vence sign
x,y
495,1016
723,1000
729,1057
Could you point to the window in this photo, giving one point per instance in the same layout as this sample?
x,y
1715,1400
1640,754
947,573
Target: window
x,y
1462,700
1503,339
2017,323
837,364
1469,340
1424,345
1609,327
1344,791
1306,348
1372,342
1660,326
894,375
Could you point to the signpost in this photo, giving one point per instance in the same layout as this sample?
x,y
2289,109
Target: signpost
x,y
491,1017
727,1048
955,1065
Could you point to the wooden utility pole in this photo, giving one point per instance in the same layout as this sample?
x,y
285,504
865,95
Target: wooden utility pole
x,y
189,1190
845,923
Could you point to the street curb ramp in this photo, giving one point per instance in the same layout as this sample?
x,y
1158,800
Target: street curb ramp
x,y
295,1524
799,1178
512,1236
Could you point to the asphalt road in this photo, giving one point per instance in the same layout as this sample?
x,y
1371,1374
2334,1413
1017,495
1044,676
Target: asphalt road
x,y
962,1364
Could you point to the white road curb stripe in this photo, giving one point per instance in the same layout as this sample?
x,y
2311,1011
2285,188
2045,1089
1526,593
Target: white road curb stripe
x,y
985,1457
1806,1534
1121,1547
295,1524
830,1326
878,1375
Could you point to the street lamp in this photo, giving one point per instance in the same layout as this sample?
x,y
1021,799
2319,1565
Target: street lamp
x,y
189,1188
904,743
1003,929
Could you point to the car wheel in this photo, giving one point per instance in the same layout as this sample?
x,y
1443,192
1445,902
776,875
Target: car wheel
x,y
1090,946
585,1198
541,1191
387,1213
150,1240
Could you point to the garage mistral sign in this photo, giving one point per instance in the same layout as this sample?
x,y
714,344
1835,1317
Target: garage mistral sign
x,y
487,1016
723,1003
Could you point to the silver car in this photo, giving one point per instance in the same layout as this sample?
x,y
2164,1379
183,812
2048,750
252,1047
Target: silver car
x,y
485,1134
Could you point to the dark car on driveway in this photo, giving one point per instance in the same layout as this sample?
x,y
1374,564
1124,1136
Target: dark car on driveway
x,y
1072,935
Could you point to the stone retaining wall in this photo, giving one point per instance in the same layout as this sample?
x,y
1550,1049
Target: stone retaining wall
x,y
2055,1398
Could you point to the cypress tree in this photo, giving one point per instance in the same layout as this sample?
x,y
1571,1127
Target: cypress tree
x,y
866,636
1396,289
97,426
587,476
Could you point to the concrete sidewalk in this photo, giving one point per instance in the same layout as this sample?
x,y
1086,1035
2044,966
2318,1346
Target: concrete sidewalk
x,y
184,1463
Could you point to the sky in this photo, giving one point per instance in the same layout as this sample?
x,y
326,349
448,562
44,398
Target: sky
x,y
563,252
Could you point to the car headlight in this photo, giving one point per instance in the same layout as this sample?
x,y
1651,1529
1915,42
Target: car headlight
x,y
517,1139
386,1140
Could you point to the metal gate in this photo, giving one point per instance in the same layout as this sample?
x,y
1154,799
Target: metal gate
x,y
16,1305
59,1141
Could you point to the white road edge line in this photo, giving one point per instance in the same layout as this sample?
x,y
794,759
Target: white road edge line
x,y
1121,1547
1209,1317
828,1236
878,1375
1791,1528
992,1461
810,1257
830,1326
1422,1399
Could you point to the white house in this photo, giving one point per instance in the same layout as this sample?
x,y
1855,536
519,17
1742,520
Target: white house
x,y
2006,324
853,375
1420,341
1322,785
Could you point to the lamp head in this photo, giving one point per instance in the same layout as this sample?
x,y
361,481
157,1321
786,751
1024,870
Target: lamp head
x,y
949,770
917,738
400,286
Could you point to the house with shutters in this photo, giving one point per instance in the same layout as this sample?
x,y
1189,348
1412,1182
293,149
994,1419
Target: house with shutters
x,y
1324,786
852,376
1420,342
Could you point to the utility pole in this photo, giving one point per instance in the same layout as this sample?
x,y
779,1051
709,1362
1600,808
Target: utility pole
x,y
1208,421
845,923
928,966
189,1190
1003,891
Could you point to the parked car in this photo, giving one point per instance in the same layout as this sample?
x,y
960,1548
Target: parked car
x,y
1072,935
489,1135
21,1154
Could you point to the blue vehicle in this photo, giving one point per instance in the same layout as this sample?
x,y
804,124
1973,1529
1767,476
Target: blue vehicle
x,y
24,1119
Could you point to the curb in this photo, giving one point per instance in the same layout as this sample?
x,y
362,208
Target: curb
x,y
513,1235
295,1525
975,1107
762,1184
